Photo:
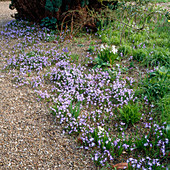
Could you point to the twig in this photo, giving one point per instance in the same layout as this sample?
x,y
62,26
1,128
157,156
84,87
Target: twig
x,y
139,29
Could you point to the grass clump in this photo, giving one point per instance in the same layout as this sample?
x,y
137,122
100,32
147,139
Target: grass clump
x,y
130,114
156,84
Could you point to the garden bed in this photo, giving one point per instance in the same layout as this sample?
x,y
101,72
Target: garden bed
x,y
110,95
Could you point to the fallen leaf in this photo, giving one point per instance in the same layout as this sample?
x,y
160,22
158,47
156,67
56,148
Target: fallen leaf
x,y
79,140
121,166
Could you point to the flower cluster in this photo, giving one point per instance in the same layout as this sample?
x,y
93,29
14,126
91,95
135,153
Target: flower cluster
x,y
112,48
83,100
145,163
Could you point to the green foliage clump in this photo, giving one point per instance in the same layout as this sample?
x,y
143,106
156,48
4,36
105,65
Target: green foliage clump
x,y
156,84
125,50
106,56
53,6
168,15
49,5
49,22
130,113
115,40
91,49
139,54
164,108
158,56
84,2
75,110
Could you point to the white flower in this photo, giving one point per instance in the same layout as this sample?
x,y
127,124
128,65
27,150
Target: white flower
x,y
101,129
106,46
114,50
118,65
102,47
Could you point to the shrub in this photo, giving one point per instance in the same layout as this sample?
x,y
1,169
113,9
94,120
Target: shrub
x,y
55,10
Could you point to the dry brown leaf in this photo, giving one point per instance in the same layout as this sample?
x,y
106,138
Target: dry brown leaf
x,y
79,140
122,165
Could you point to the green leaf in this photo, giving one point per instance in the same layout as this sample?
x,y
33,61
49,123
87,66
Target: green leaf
x,y
49,5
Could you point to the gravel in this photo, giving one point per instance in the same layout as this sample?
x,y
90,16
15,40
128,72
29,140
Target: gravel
x,y
30,138
5,13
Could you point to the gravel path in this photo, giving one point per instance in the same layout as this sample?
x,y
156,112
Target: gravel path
x,y
29,136
5,13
